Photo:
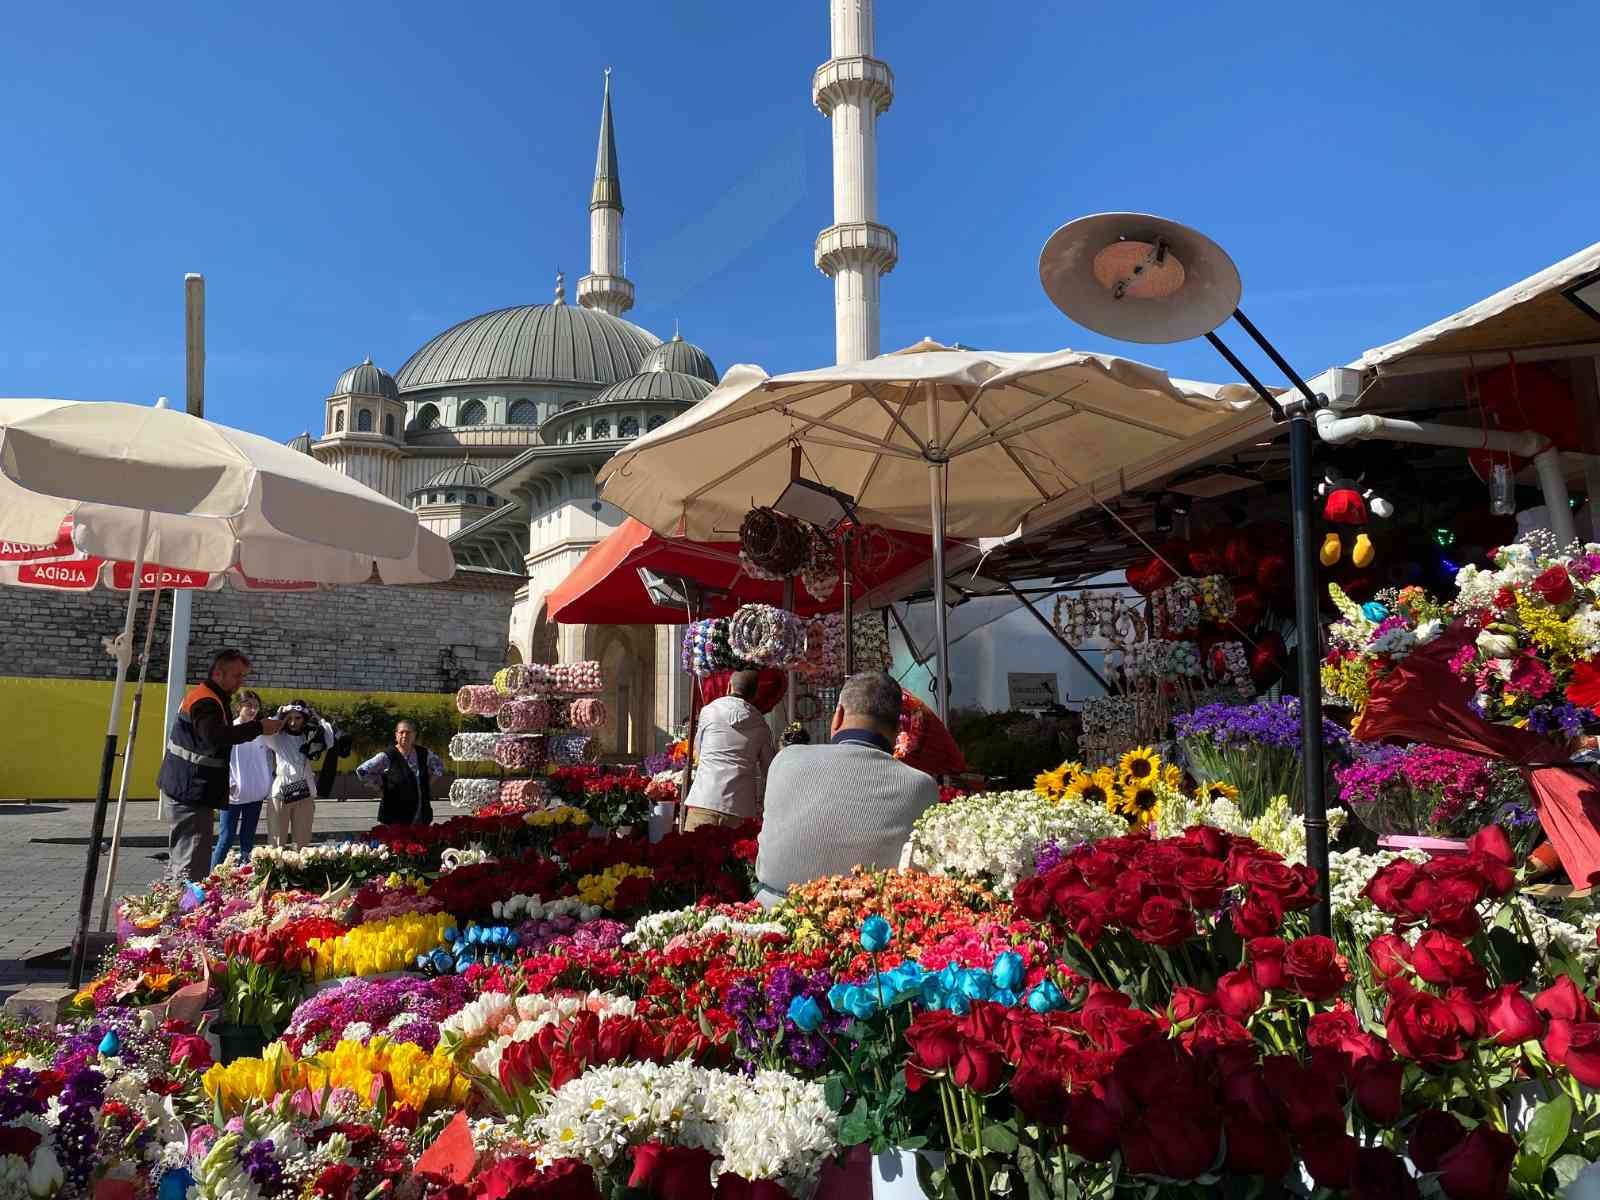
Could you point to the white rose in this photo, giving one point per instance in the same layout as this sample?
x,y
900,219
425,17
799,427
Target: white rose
x,y
45,1176
1497,645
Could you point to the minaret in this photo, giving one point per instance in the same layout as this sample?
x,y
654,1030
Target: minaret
x,y
852,89
604,287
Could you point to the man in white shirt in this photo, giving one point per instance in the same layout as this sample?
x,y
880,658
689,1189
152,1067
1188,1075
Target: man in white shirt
x,y
249,783
733,748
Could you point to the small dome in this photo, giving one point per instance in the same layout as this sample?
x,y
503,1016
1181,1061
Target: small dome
x,y
464,474
301,443
364,379
679,355
657,385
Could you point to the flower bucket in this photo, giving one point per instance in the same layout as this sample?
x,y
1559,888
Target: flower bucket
x,y
1432,845
662,816
239,1041
894,1173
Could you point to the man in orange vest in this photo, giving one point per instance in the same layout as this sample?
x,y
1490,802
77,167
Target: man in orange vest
x,y
194,770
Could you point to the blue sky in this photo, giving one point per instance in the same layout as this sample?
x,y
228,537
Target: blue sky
x,y
352,178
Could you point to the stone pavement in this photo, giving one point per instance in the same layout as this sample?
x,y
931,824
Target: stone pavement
x,y
43,850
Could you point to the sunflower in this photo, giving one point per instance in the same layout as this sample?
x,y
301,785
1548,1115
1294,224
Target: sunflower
x,y
1051,784
1139,765
1216,789
1172,776
1095,789
1140,803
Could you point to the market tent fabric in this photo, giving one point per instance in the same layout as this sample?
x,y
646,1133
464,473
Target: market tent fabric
x,y
1018,430
605,588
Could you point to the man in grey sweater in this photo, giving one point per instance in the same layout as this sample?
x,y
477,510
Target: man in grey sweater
x,y
846,804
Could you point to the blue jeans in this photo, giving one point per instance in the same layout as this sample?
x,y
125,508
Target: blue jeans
x,y
238,829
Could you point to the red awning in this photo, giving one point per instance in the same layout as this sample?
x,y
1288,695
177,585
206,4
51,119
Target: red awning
x,y
605,588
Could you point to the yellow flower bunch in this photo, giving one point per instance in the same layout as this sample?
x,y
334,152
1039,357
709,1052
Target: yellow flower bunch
x,y
1545,626
1052,785
1133,788
601,889
564,814
421,1080
1094,788
378,946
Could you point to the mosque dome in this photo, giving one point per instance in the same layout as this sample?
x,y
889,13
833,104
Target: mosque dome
x,y
533,343
364,379
301,443
658,384
456,475
682,356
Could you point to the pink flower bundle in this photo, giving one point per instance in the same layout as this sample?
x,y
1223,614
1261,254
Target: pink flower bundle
x,y
529,792
522,716
478,700
586,714
522,753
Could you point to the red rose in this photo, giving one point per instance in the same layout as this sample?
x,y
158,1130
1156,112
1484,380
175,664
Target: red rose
x,y
1575,1046
1238,994
1184,1144
1480,1167
1330,1157
1256,1148
1213,843
1387,888
1031,897
1584,687
191,1051
1492,841
1553,585
1092,1127
1564,1001
1510,1016
1451,906
1188,1003
1040,1093
1202,881
1294,887
1309,1102
1423,1028
1164,922
934,1039
523,1179
1257,917
1312,964
1377,1089
1266,961
19,1140
1443,961
1380,1174
979,1066
1217,1029
1390,956
1434,1134
672,1172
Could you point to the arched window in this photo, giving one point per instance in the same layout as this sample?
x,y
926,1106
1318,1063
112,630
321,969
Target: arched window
x,y
602,429
472,497
580,433
433,497
656,422
388,424
338,422
628,427
523,412
449,497
428,417
364,420
472,412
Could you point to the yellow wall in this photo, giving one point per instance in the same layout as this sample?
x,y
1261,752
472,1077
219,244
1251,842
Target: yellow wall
x,y
56,729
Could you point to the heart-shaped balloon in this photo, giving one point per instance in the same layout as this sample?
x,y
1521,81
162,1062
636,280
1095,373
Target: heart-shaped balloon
x,y
1266,659
1205,554
1238,555
1274,575
1249,603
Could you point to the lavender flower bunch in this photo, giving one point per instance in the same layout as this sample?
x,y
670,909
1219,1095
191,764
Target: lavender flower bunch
x,y
1255,747
403,1010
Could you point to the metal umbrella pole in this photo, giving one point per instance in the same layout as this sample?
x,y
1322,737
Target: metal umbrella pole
x,y
938,479
127,760
108,757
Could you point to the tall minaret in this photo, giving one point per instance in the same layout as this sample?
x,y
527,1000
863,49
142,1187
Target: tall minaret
x,y
853,89
604,287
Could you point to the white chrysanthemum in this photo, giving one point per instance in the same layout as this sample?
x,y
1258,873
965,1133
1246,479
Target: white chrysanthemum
x,y
995,836
656,931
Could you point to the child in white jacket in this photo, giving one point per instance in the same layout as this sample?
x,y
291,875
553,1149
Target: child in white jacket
x,y
303,739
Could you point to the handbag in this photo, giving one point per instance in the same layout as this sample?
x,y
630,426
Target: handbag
x,y
300,789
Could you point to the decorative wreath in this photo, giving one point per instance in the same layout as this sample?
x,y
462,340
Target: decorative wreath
x,y
478,700
773,545
474,747
767,636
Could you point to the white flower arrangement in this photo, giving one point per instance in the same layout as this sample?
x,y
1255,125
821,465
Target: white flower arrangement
x,y
994,836
768,1126
332,858
1349,872
535,908
656,931
481,1030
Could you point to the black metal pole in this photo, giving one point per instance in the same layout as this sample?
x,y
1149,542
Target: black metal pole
x,y
1309,630
91,871
848,615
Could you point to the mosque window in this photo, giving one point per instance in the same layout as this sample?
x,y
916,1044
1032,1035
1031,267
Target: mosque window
x,y
628,427
602,429
472,412
364,420
656,422
388,424
449,497
580,434
338,422
523,412
428,417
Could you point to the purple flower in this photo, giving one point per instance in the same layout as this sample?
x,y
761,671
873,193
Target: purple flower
x,y
1273,723
1048,857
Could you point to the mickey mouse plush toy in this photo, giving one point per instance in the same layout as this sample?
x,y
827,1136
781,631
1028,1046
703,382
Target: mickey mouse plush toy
x,y
1345,503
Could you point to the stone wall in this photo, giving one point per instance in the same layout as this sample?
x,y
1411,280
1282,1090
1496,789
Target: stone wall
x,y
393,639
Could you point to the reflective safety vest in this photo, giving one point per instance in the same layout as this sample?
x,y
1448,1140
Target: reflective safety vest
x,y
193,772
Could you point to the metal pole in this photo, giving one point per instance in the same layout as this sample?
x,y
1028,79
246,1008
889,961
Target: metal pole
x,y
789,676
847,608
127,760
1309,631
97,825
194,348
941,633
1059,636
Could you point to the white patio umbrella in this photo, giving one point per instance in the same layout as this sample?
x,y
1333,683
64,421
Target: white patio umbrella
x,y
150,485
985,436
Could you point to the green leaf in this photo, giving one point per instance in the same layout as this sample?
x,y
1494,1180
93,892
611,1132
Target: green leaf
x,y
1529,1169
1547,1131
1000,1139
854,1130
833,1093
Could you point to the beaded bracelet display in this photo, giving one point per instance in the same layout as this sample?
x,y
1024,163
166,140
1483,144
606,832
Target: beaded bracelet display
x,y
478,700
567,748
772,545
474,747
474,793
586,714
578,677
767,635
819,574
871,644
523,716
706,649
527,792
522,753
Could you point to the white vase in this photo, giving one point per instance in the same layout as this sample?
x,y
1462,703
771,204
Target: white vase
x,y
662,816
894,1173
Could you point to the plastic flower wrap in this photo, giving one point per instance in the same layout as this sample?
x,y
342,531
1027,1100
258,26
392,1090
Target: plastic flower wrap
x,y
1430,791
522,753
474,747
993,836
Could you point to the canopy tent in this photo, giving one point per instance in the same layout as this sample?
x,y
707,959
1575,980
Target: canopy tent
x,y
605,587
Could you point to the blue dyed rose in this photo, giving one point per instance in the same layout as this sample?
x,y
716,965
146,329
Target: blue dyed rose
x,y
805,1013
876,934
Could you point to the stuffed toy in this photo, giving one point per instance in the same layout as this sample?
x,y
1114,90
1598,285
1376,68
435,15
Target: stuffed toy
x,y
1345,503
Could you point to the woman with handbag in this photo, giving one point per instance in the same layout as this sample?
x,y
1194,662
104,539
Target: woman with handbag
x,y
303,739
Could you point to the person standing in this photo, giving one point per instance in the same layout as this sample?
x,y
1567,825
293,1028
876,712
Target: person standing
x,y
249,783
304,739
404,773
732,751
193,779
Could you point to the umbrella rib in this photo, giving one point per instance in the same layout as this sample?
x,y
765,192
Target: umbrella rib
x,y
1001,430
776,402
760,454
972,404
872,469
1100,412
1015,461
865,446
894,415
